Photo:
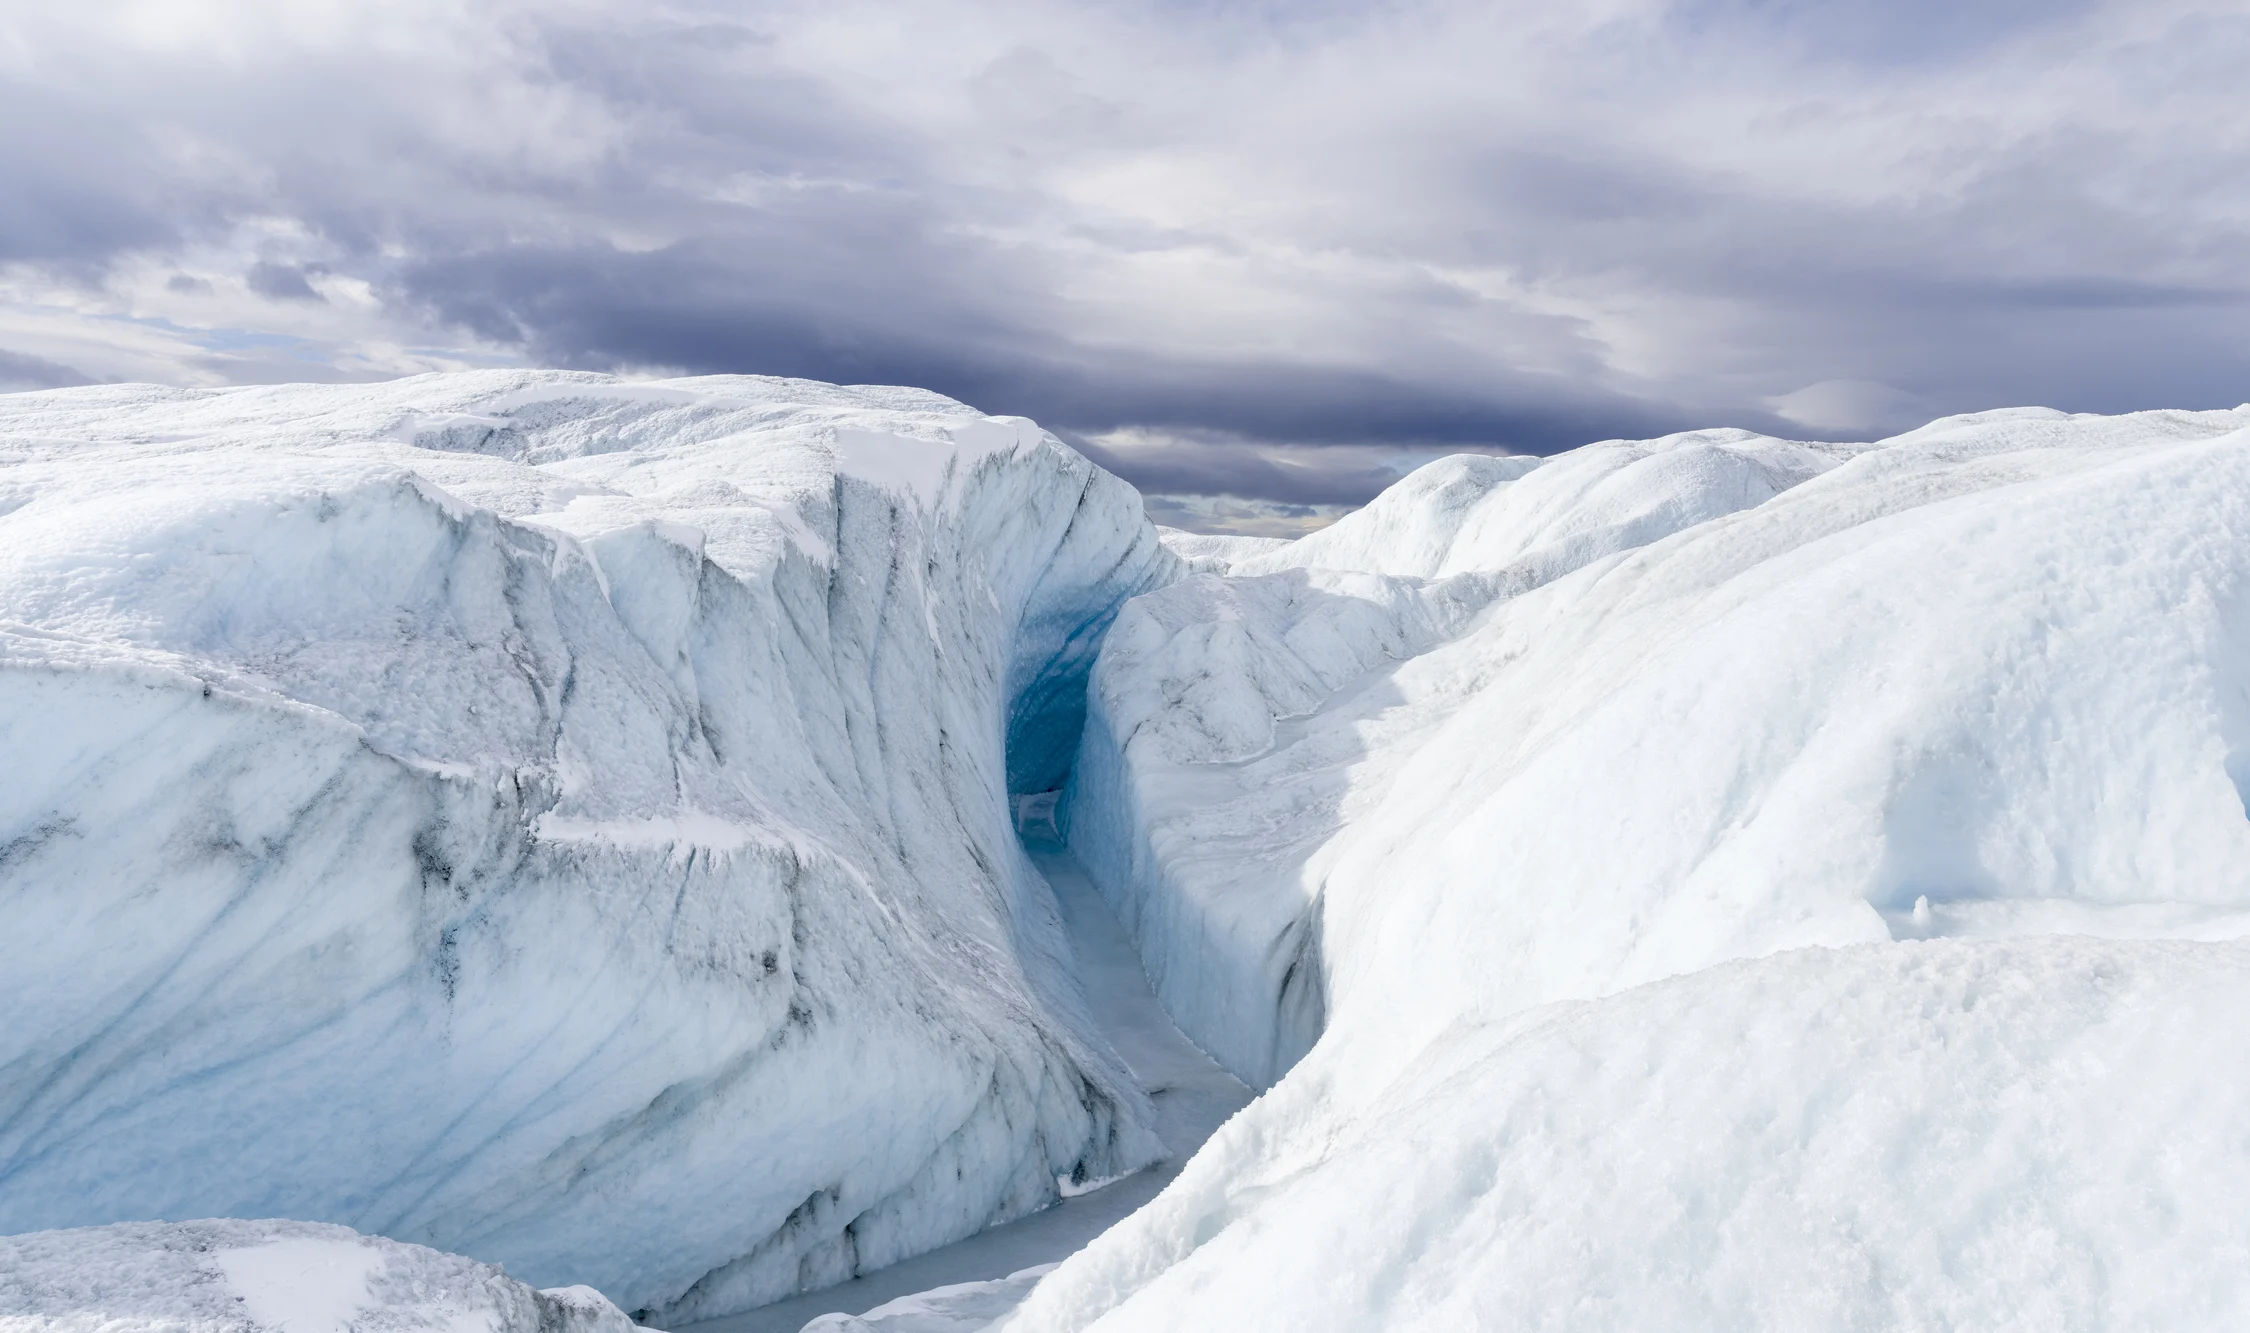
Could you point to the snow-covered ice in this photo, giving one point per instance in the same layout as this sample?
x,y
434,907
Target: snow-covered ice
x,y
1694,932
973,1281
2024,1134
1711,882
232,1276
1215,553
963,1307
1219,751
552,818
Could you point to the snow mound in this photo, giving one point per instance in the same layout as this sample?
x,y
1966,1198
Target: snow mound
x,y
558,819
1205,774
1542,517
1215,553
961,1308
228,1276
1984,684
2034,1134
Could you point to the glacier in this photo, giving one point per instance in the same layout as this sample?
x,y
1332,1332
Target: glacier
x,y
1708,882
553,818
1711,882
1229,722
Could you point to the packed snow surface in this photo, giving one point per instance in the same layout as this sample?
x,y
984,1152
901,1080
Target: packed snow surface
x,y
1710,882
963,1307
1216,553
2021,1134
560,820
230,1276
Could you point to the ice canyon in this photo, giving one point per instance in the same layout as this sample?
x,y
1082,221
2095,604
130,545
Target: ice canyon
x,y
646,834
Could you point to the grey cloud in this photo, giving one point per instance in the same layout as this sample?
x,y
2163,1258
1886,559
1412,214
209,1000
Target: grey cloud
x,y
1247,518
19,370
875,299
1268,238
280,282
1879,32
1244,469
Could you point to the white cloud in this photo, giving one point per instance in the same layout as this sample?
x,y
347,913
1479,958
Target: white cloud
x,y
1437,223
1852,407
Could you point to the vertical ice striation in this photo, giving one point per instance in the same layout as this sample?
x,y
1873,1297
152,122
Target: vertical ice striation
x,y
550,818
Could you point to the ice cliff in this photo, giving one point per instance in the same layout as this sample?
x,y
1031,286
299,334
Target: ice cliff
x,y
550,818
1714,882
1707,883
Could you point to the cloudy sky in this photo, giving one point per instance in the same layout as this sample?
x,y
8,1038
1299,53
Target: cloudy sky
x,y
1257,256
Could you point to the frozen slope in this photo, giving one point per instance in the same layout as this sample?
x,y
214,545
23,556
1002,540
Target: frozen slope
x,y
1699,937
230,1276
558,820
970,1282
1531,519
1215,553
1229,716
2015,1135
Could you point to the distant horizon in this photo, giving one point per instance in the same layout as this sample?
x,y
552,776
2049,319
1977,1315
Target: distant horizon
x,y
1216,513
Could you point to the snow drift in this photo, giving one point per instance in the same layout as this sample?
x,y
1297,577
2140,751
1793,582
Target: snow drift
x,y
555,819
1213,762
2024,1134
1684,887
229,1276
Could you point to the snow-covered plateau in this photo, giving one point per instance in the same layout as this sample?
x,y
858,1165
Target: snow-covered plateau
x,y
1715,882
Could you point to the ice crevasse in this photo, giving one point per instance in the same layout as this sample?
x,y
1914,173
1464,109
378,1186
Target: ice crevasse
x,y
1709,882
1712,882
550,818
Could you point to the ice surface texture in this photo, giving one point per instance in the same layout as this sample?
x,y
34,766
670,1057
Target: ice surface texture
x,y
2023,1134
964,1307
558,820
231,1276
1214,553
1213,761
1532,825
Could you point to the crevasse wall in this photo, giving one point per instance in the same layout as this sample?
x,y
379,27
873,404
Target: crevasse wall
x,y
1206,782
552,819
1833,914
1196,683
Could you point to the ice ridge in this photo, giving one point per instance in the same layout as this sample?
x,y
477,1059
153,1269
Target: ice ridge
x,y
1704,883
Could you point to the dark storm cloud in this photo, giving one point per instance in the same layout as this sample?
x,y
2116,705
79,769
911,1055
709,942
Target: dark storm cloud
x,y
1264,251
869,298
278,282
19,371
1298,477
